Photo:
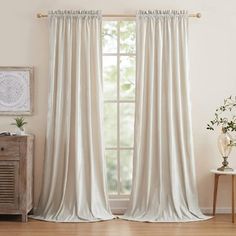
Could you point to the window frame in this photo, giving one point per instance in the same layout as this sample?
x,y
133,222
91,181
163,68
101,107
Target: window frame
x,y
119,201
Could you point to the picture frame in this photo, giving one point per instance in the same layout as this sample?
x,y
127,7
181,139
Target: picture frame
x,y
16,90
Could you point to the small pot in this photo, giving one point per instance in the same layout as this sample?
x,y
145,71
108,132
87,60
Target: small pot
x,y
20,131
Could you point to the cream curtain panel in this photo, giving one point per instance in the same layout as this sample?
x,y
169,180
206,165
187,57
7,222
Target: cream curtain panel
x,y
164,188
74,187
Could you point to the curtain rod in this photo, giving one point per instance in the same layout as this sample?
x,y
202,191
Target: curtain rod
x,y
197,15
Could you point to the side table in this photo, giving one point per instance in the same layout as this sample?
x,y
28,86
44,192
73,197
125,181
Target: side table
x,y
217,176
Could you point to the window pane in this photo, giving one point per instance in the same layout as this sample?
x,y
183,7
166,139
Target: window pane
x,y
127,36
110,124
126,163
127,77
110,77
126,124
111,161
109,37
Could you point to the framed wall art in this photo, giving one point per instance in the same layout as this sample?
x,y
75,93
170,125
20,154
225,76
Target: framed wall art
x,y
16,95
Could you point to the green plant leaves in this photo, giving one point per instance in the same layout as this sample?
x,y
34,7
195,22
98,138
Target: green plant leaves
x,y
229,123
126,86
19,122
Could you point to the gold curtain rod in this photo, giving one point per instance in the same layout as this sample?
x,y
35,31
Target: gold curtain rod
x,y
197,15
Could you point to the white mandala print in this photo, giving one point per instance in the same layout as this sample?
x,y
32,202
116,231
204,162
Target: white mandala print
x,y
14,91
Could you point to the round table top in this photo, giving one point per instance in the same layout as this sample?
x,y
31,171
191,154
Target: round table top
x,y
215,171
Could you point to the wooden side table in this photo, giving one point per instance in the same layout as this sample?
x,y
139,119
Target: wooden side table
x,y
16,175
217,176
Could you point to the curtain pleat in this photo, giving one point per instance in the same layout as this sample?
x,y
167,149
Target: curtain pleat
x,y
74,183
164,186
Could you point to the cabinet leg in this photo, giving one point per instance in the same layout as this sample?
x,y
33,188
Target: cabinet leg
x,y
24,218
215,192
233,198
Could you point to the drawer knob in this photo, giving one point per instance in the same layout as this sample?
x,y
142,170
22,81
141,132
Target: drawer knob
x,y
2,148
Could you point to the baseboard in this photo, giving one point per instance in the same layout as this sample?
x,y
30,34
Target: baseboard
x,y
219,210
205,210
119,206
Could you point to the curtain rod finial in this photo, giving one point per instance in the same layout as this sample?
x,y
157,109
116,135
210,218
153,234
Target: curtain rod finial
x,y
199,15
39,15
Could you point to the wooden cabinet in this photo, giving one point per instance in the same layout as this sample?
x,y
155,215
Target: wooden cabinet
x,y
16,175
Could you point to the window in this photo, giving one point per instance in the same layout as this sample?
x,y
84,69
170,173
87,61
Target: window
x,y
119,103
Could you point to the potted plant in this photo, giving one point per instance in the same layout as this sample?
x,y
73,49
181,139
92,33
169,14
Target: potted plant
x,y
225,117
19,123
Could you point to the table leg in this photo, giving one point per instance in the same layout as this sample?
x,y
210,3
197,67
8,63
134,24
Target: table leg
x,y
233,198
215,192
24,217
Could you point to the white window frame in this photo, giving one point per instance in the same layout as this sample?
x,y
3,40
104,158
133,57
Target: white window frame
x,y
118,202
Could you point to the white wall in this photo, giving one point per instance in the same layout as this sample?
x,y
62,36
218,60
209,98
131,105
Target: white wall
x,y
24,42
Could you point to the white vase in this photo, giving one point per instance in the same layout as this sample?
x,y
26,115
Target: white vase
x,y
20,131
224,141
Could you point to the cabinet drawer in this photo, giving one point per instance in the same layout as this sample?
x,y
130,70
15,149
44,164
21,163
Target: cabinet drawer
x,y
9,150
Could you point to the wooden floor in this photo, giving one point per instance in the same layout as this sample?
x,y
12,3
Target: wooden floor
x,y
220,225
